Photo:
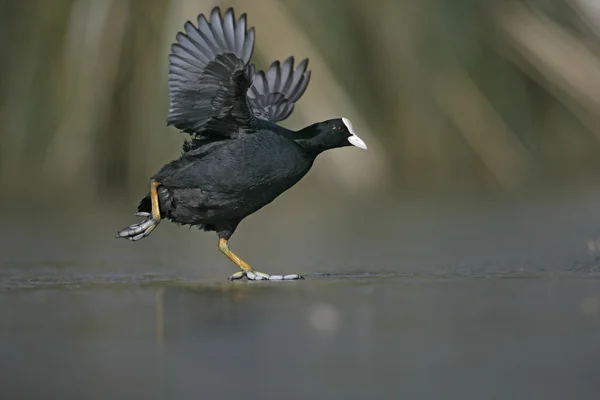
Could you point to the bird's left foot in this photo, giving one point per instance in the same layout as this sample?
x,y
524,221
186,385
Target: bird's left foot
x,y
261,276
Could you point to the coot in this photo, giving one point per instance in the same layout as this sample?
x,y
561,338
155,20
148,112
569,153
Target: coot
x,y
236,159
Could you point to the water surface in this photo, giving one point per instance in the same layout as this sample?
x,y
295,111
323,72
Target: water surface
x,y
465,305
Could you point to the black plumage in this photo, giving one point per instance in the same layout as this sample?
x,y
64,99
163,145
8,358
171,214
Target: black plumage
x,y
237,159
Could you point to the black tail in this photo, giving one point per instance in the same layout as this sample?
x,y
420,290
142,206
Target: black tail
x,y
165,202
145,204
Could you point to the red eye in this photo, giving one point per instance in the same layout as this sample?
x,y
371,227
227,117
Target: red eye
x,y
339,128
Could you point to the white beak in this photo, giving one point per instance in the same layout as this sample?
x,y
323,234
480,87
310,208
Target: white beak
x,y
353,139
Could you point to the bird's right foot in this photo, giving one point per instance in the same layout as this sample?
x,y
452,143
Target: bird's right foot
x,y
139,231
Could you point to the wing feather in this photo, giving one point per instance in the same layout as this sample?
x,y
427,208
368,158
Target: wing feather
x,y
273,94
209,77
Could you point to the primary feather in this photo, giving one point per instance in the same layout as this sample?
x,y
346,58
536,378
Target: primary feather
x,y
215,93
209,76
274,93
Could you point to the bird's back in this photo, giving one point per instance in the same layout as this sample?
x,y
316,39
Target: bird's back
x,y
237,177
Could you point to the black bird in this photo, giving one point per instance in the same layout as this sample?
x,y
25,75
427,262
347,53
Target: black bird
x,y
237,159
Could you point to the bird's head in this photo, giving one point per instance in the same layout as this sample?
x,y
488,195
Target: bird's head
x,y
329,134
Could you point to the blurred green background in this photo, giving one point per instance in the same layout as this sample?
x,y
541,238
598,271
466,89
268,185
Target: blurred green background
x,y
453,98
465,105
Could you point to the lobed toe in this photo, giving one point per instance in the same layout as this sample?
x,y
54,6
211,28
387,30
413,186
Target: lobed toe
x,y
138,231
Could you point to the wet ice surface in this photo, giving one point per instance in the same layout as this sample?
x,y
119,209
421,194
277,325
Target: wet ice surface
x,y
475,304
334,337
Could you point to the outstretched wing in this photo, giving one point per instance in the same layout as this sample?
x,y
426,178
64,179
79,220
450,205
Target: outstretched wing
x,y
209,77
273,94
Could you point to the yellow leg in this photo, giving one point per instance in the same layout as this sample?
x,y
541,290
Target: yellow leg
x,y
139,231
154,199
247,270
244,266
